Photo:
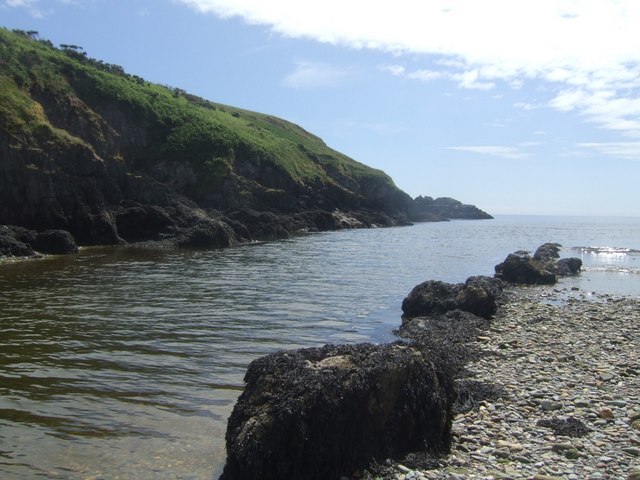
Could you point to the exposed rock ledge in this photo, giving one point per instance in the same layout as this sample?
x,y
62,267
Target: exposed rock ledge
x,y
351,411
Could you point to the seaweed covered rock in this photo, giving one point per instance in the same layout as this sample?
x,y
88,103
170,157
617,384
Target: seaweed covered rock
x,y
22,242
568,266
322,413
12,247
206,234
547,252
522,268
55,242
541,269
477,295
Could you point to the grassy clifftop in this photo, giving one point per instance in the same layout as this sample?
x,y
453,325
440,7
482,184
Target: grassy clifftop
x,y
220,156
108,156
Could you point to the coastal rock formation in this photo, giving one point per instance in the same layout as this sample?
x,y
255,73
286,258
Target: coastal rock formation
x,y
21,242
543,268
477,296
442,209
322,413
55,242
111,158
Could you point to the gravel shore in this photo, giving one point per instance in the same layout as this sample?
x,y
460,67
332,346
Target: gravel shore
x,y
566,365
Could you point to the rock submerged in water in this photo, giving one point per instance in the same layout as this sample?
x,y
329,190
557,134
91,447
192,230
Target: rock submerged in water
x,y
22,242
322,413
543,268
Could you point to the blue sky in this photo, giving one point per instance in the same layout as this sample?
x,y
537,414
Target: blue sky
x,y
528,107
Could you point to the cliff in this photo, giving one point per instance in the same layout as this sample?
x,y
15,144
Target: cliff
x,y
109,157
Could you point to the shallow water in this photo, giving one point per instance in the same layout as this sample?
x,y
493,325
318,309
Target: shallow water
x,y
126,362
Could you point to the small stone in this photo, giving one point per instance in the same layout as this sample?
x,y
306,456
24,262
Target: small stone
x,y
605,377
502,453
581,402
403,469
634,451
521,459
606,413
560,447
617,403
548,405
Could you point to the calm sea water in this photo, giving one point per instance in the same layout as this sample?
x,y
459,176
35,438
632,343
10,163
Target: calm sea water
x,y
126,362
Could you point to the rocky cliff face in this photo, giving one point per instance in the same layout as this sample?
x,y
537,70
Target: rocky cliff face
x,y
111,158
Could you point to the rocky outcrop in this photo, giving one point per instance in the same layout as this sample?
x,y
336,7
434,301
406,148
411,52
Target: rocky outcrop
x,y
427,209
55,242
21,242
543,268
87,148
477,296
323,413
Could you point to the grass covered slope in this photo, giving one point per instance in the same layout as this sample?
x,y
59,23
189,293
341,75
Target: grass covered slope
x,y
80,140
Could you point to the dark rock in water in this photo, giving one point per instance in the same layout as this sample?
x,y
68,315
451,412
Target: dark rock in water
x,y
521,268
55,242
568,266
321,413
143,222
12,247
477,296
547,252
541,269
206,234
432,297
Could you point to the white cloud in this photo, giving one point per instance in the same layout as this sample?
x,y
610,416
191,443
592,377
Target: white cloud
x,y
34,6
311,75
588,49
510,153
396,70
629,150
30,5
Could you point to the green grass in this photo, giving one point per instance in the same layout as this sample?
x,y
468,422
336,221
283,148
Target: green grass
x,y
213,137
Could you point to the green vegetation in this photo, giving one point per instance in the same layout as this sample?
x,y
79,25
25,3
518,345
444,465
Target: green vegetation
x,y
216,140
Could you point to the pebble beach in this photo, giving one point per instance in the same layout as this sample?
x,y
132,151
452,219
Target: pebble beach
x,y
564,367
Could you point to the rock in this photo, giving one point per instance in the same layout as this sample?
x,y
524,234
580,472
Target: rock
x,y
477,296
55,242
547,252
521,268
567,266
568,427
142,222
12,247
606,413
207,234
541,269
325,412
549,405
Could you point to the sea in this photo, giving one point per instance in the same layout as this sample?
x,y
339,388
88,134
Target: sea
x,y
125,362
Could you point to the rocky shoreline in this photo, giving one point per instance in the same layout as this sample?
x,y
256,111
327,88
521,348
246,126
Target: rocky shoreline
x,y
565,376
545,386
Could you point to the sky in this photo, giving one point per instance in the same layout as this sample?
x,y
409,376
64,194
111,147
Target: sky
x,y
516,106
